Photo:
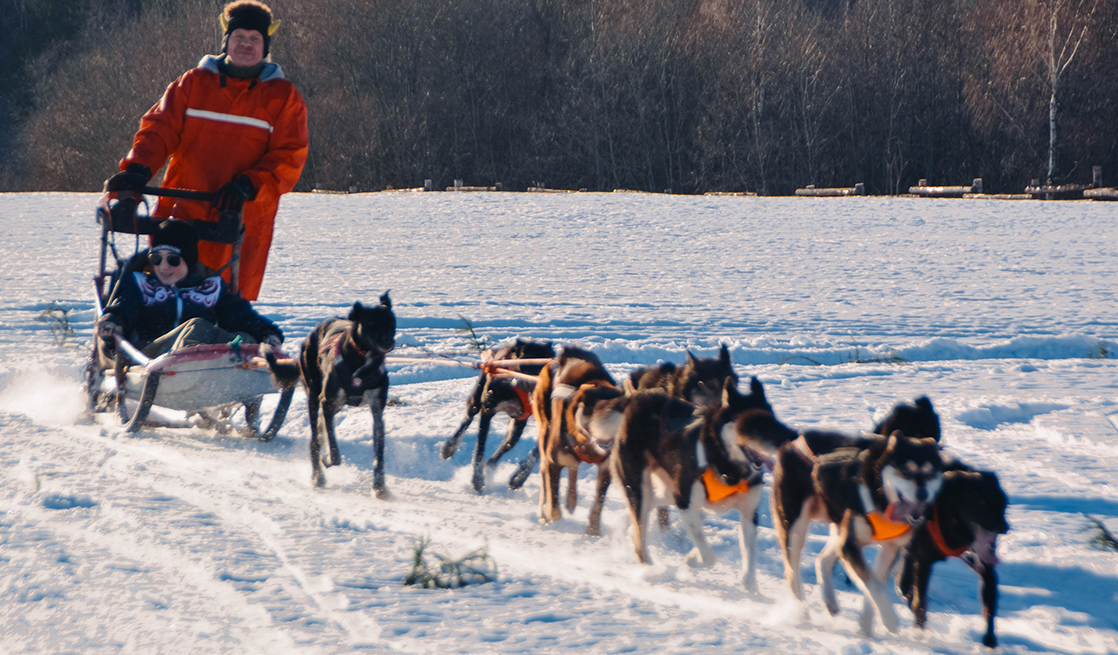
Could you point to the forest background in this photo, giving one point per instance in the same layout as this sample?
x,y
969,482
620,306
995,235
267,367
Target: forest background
x,y
683,95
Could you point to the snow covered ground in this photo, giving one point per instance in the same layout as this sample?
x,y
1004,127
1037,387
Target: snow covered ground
x,y
176,541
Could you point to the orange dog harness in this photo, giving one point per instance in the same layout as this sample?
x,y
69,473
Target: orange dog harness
x,y
885,529
717,489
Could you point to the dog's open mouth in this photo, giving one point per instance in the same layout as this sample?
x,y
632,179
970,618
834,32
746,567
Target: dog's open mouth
x,y
906,511
757,459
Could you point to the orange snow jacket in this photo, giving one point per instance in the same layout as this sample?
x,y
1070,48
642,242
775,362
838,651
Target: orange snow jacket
x,y
213,128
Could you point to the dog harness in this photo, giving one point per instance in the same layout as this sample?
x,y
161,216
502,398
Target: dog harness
x,y
581,445
525,401
884,528
937,536
332,344
717,489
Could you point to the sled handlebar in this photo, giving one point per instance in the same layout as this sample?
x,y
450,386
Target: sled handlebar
x,y
184,194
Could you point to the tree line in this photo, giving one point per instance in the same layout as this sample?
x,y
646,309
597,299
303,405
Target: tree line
x,y
687,95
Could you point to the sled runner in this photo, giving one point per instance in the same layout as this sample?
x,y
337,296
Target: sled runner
x,y
207,381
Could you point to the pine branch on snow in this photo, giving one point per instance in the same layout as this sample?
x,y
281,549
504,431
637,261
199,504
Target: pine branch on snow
x,y
475,567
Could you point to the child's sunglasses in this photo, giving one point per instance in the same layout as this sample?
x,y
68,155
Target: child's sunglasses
x,y
157,258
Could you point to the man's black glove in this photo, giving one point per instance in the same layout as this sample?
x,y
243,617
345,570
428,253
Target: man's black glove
x,y
232,196
132,178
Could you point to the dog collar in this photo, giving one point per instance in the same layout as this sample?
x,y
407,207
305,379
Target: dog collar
x,y
804,450
936,534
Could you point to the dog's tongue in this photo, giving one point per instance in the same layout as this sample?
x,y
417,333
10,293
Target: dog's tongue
x,y
985,546
905,511
758,459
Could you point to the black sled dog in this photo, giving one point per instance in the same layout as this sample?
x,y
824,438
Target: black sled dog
x,y
670,453
915,419
342,363
964,522
699,380
873,496
492,395
795,504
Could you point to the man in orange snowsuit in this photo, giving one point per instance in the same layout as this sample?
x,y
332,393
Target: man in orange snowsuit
x,y
233,125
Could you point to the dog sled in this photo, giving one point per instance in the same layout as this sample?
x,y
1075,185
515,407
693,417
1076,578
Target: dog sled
x,y
208,383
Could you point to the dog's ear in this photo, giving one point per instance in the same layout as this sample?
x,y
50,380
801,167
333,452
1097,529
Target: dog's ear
x,y
690,358
355,312
755,387
724,354
385,300
924,403
627,387
730,391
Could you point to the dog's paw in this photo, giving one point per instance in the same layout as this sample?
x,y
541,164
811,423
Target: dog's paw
x,y
889,618
448,449
696,560
318,479
519,478
381,493
832,606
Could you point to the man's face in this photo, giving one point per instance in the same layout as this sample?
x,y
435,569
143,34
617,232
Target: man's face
x,y
245,47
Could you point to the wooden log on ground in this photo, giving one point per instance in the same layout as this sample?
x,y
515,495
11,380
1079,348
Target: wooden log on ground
x,y
1056,191
540,189
858,189
997,196
731,193
1105,193
926,191
472,188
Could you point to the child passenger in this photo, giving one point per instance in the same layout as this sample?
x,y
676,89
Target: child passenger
x,y
180,302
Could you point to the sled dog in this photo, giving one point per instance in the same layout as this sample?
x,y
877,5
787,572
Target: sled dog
x,y
964,522
794,502
577,407
699,380
916,419
670,453
342,363
873,496
492,395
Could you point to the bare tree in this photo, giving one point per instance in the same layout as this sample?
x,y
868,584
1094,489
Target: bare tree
x,y
1061,51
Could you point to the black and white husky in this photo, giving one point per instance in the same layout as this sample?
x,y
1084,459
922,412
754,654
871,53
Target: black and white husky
x,y
795,504
872,496
670,453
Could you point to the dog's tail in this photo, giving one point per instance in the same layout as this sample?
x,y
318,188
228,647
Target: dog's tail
x,y
285,372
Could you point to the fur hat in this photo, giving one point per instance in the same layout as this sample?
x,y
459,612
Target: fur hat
x,y
248,15
178,237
